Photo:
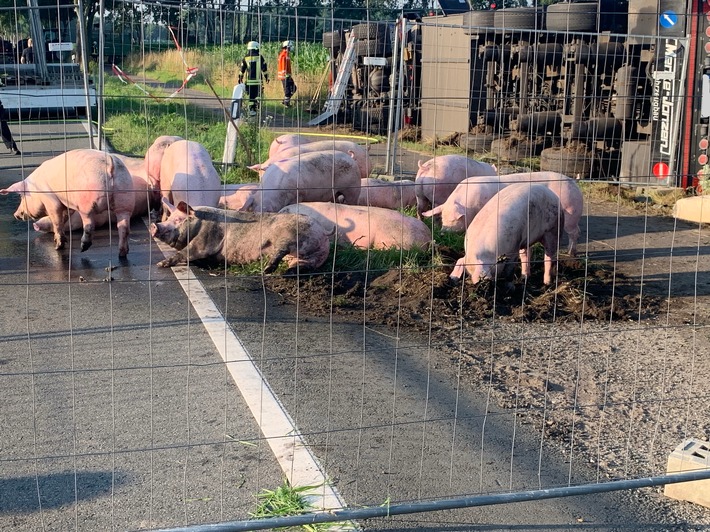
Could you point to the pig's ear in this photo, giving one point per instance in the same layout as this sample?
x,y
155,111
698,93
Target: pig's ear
x,y
459,209
18,187
248,202
183,207
419,163
432,212
169,205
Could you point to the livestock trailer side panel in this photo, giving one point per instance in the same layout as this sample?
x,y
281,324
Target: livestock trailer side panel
x,y
446,80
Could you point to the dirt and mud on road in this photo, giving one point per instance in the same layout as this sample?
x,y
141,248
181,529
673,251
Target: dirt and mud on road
x,y
611,363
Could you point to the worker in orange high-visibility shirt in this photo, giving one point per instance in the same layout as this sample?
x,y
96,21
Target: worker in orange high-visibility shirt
x,y
284,72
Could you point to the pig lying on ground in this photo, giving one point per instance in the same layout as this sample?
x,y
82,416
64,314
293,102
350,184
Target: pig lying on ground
x,y
145,198
360,154
513,220
90,182
237,196
437,178
367,227
387,194
284,142
186,172
473,193
317,176
238,237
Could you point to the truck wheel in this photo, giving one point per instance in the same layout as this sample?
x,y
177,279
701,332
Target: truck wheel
x,y
518,18
378,80
373,30
606,129
567,16
540,123
515,148
542,54
476,22
576,162
333,40
476,142
373,48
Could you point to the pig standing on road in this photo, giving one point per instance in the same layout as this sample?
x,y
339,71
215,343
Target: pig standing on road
x,y
513,220
238,237
437,178
472,193
387,194
186,172
462,205
317,176
146,197
360,154
366,227
571,199
89,182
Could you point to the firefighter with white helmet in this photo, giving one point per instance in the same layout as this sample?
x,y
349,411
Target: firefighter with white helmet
x,y
284,73
254,67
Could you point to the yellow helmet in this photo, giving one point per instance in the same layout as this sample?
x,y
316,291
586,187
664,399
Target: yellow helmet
x,y
252,45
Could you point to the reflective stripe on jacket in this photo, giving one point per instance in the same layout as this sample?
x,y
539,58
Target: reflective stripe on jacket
x,y
250,67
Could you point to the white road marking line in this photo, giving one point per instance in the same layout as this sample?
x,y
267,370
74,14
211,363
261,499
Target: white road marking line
x,y
299,465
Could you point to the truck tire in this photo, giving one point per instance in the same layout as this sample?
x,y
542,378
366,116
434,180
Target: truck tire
x,y
605,129
372,30
373,48
333,40
518,18
570,162
572,17
542,54
604,56
540,123
513,148
379,80
476,142
476,22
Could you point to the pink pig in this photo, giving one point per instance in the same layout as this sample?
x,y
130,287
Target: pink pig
x,y
571,199
366,227
360,154
317,176
512,221
469,197
437,178
387,194
186,173
146,198
89,182
283,142
236,195
472,193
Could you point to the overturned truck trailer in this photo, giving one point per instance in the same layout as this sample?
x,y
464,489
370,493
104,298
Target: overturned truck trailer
x,y
602,90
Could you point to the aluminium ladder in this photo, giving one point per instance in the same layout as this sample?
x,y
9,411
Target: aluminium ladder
x,y
337,92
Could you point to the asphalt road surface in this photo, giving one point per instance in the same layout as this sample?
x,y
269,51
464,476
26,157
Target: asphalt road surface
x,y
129,404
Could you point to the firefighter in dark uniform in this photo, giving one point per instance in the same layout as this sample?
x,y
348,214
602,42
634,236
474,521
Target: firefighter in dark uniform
x,y
254,66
